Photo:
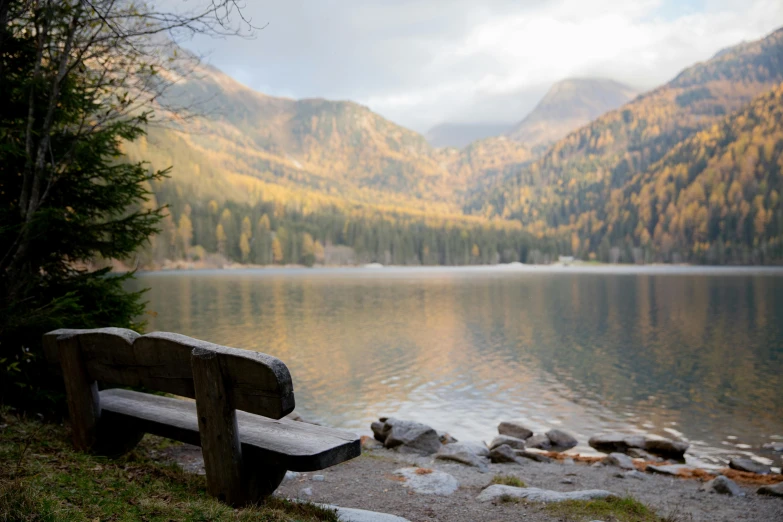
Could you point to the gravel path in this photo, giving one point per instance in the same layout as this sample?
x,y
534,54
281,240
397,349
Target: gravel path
x,y
368,482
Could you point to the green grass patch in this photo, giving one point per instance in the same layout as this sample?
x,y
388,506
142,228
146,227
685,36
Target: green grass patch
x,y
508,480
612,509
43,479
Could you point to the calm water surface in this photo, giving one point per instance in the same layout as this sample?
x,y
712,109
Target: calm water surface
x,y
665,351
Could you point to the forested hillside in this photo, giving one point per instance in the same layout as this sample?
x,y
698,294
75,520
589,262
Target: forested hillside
x,y
263,180
579,184
714,198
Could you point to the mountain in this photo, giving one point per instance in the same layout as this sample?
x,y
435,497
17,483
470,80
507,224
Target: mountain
x,y
578,186
568,105
331,147
460,135
263,179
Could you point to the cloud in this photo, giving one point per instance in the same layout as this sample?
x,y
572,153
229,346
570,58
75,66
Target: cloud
x,y
421,62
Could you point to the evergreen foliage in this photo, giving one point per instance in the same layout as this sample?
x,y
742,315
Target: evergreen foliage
x,y
74,78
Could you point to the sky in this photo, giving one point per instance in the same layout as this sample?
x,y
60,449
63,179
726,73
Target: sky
x,y
424,62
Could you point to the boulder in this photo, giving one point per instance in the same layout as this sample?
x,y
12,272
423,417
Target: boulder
x,y
504,453
464,454
775,490
561,440
411,436
724,486
496,491
617,442
539,441
609,442
427,481
620,460
514,429
674,449
750,465
514,442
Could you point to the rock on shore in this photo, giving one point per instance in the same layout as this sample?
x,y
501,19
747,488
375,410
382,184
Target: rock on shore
x,y
750,465
407,436
621,443
514,429
496,491
466,453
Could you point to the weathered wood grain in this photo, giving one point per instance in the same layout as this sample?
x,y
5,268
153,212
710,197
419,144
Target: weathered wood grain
x,y
259,383
81,394
291,445
217,426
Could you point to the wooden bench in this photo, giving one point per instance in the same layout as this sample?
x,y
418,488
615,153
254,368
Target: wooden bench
x,y
241,397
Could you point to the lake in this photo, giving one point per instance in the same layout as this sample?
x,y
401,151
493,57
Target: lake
x,y
693,353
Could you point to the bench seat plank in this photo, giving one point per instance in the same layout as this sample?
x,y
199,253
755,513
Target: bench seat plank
x,y
292,445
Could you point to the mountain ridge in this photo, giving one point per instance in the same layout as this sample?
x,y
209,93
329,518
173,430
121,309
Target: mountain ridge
x,y
570,187
568,105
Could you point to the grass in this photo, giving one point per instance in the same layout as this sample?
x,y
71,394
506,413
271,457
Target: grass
x,y
508,480
612,509
43,479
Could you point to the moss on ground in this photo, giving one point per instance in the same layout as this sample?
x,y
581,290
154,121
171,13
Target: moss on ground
x,y
612,509
43,479
508,480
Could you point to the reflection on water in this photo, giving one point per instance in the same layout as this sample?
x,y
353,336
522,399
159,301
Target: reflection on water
x,y
699,356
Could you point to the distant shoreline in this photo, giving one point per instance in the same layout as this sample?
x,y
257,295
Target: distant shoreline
x,y
556,268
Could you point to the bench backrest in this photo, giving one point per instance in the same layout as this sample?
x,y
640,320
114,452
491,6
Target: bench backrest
x,y
161,361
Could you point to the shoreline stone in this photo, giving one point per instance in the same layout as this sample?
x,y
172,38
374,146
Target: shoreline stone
x,y
411,437
750,465
504,453
514,442
514,429
560,440
621,460
497,491
620,443
468,454
539,441
724,486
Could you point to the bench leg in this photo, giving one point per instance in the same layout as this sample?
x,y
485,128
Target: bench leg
x,y
218,429
261,478
116,437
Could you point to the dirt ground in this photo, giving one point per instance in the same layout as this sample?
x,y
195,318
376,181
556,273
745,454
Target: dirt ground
x,y
368,482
